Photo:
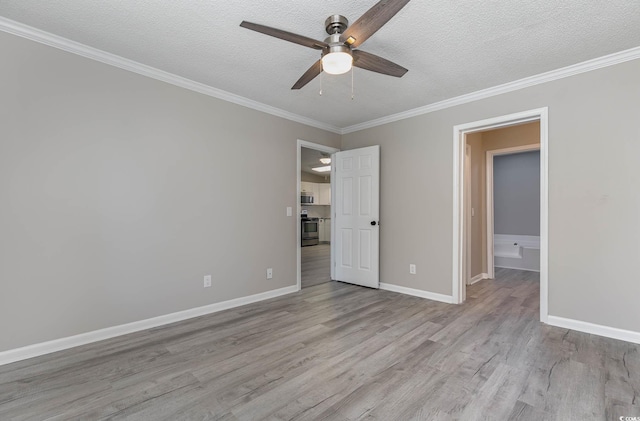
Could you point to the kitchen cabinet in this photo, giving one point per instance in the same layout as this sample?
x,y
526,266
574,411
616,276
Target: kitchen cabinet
x,y
305,186
327,230
316,193
324,230
321,231
324,194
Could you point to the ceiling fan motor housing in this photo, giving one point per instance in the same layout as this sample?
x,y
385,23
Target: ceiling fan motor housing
x,y
336,24
336,57
335,46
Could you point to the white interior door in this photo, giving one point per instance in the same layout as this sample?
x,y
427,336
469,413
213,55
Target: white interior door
x,y
356,219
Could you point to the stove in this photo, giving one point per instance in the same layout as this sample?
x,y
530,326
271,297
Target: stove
x,y
309,230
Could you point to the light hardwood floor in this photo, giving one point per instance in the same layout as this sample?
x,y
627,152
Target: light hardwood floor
x,y
340,352
315,265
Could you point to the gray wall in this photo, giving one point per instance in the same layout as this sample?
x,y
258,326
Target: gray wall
x,y
516,193
594,144
119,192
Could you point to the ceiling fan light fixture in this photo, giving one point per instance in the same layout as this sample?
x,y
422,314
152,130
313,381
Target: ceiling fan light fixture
x,y
325,161
339,53
337,63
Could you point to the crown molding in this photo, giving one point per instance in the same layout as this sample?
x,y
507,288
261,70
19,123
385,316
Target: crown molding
x,y
34,34
574,69
28,32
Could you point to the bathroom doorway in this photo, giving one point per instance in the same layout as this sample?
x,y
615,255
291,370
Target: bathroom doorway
x,y
474,144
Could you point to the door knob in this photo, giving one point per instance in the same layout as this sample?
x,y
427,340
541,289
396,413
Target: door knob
x,y
373,222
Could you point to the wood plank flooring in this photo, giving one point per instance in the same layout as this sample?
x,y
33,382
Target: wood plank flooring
x,y
315,265
341,352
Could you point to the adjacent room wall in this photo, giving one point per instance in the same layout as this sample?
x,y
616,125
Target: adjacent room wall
x,y
594,144
313,178
120,192
516,194
478,217
509,137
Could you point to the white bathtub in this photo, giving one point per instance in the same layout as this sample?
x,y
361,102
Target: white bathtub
x,y
506,249
517,251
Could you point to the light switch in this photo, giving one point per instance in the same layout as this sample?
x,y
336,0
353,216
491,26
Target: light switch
x,y
289,211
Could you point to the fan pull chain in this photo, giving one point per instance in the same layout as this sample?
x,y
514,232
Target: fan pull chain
x,y
352,95
321,79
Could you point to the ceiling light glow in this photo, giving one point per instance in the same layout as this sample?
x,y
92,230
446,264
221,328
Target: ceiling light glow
x,y
322,169
337,63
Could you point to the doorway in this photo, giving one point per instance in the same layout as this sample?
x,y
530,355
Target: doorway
x,y
314,197
513,207
462,210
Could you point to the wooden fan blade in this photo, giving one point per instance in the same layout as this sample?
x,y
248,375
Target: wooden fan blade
x,y
309,75
371,21
377,64
287,36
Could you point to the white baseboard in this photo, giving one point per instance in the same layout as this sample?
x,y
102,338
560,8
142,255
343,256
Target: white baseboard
x,y
511,267
417,293
606,331
55,345
479,277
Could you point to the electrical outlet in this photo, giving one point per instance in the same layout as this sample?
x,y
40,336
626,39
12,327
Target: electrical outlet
x,y
207,281
269,273
412,269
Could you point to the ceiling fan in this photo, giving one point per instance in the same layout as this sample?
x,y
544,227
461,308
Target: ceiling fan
x,y
339,51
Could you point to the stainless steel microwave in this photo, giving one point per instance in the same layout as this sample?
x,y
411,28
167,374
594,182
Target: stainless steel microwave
x,y
306,198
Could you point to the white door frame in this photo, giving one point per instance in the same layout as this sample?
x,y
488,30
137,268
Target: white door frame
x,y
489,188
322,148
459,139
467,212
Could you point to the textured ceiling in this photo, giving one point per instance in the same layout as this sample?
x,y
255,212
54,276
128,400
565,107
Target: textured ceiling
x,y
451,47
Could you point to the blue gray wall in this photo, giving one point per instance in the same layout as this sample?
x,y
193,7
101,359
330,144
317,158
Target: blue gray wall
x,y
516,193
